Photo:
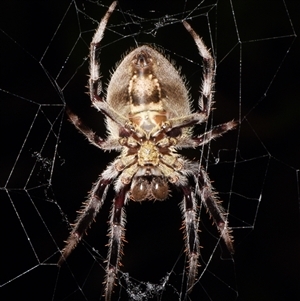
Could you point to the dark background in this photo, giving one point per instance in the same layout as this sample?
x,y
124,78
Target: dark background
x,y
42,186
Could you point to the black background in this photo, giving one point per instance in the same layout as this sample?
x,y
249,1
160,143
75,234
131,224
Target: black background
x,y
267,261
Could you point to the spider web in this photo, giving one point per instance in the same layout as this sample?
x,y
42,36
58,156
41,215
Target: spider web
x,y
47,167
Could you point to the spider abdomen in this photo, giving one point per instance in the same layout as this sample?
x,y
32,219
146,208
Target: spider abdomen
x,y
146,81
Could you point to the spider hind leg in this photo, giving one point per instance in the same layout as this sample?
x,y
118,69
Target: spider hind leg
x,y
116,239
215,209
86,217
190,228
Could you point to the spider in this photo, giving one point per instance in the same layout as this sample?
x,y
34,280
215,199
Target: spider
x,y
149,117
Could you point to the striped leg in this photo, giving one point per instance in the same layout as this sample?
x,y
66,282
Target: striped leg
x,y
86,217
116,238
190,226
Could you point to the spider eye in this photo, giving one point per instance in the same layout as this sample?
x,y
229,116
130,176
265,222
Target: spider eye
x,y
139,190
159,188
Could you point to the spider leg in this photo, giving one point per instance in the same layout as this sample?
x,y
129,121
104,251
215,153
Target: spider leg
x,y
86,217
116,234
210,200
190,226
91,135
95,85
206,99
215,132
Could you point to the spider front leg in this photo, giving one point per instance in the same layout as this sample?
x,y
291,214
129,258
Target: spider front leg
x,y
116,234
190,226
205,101
95,85
86,217
213,205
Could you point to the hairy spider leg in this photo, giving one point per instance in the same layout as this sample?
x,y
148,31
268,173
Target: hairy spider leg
x,y
210,200
116,238
77,122
205,100
95,84
189,210
86,216
215,132
109,144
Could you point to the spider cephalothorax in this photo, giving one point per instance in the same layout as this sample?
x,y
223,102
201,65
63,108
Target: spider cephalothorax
x,y
149,118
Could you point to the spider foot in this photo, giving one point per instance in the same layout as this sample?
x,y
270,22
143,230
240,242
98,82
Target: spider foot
x,y
225,232
71,244
192,271
110,283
